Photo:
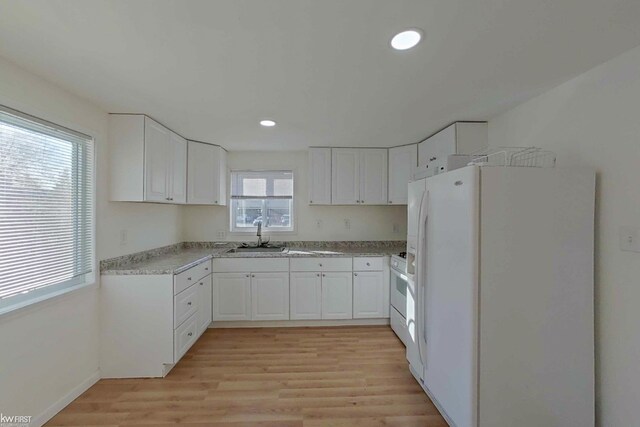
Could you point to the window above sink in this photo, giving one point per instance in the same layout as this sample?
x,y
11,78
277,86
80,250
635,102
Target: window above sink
x,y
264,197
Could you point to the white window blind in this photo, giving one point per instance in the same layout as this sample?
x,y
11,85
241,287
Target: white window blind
x,y
46,208
262,196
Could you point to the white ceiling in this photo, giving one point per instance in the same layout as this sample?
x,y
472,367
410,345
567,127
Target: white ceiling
x,y
323,69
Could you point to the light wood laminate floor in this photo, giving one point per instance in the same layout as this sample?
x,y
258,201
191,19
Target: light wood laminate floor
x,y
269,377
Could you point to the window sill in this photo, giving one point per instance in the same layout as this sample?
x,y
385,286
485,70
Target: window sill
x,y
24,306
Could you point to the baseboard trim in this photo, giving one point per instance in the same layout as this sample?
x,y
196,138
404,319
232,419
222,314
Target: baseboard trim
x,y
65,400
296,323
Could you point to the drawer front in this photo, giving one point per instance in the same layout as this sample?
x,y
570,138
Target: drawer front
x,y
189,277
253,265
185,304
184,337
321,264
368,264
399,326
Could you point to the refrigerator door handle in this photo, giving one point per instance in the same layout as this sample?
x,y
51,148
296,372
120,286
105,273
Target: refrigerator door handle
x,y
421,261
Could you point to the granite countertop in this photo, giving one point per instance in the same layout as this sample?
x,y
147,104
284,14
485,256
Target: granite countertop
x,y
174,259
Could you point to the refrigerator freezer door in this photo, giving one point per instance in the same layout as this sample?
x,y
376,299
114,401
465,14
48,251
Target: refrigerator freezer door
x,y
450,289
416,351
416,189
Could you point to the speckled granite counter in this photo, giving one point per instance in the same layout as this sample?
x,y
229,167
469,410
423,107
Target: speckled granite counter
x,y
179,257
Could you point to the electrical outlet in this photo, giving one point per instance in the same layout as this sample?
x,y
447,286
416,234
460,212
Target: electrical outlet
x,y
123,237
396,228
318,223
629,239
220,234
347,223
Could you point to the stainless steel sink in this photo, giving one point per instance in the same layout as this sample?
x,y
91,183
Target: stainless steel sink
x,y
257,249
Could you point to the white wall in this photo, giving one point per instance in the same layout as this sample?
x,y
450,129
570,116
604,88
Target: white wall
x,y
594,120
200,223
48,349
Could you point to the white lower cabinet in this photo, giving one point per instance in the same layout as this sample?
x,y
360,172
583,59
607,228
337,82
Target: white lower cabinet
x,y
306,296
251,296
314,289
148,322
316,295
185,305
184,336
231,296
368,294
270,296
205,300
337,295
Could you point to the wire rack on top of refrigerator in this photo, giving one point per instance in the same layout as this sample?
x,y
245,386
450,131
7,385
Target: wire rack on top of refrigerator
x,y
532,157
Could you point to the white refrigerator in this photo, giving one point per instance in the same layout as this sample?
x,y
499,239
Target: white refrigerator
x,y
500,298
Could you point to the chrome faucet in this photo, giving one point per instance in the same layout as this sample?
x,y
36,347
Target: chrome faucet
x,y
259,233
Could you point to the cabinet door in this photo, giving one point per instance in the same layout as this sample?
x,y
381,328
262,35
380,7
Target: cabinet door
x,y
437,147
178,168
270,296
220,181
201,173
337,295
443,143
306,296
231,296
373,176
402,165
425,152
156,162
368,294
205,300
320,176
345,176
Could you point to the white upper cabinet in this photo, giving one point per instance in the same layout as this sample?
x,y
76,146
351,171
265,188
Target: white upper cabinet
x,y
373,176
156,162
345,176
207,174
359,176
402,164
148,162
221,177
320,176
459,138
178,168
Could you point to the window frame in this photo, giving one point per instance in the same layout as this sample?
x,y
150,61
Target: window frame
x,y
243,231
89,279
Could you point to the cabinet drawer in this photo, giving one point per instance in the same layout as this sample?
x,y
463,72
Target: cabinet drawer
x,y
321,264
253,265
399,326
188,277
184,337
185,304
368,264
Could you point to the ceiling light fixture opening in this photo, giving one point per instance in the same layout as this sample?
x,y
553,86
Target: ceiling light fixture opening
x,y
406,39
267,123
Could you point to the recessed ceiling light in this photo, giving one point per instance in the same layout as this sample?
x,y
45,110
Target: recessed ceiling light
x,y
406,39
267,123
